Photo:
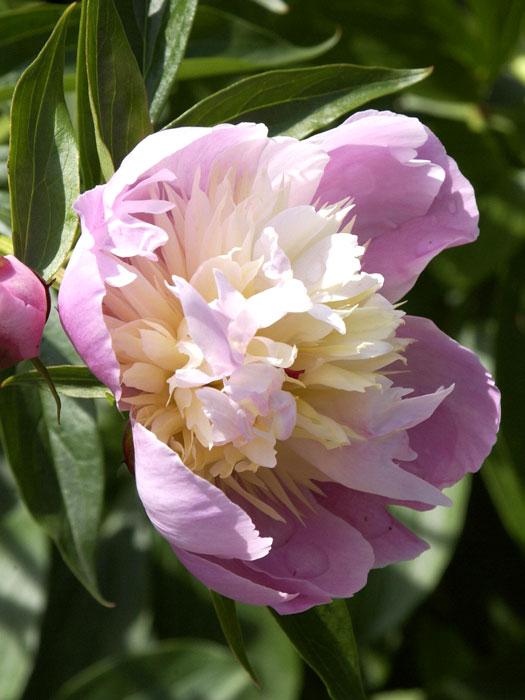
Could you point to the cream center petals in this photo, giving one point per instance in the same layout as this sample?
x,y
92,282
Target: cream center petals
x,y
252,310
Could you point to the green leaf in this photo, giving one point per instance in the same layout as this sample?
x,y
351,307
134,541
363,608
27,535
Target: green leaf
x,y
412,694
167,33
221,43
59,471
116,88
70,380
391,594
43,161
227,614
323,636
496,28
177,669
90,169
299,101
506,487
504,472
94,631
277,665
23,32
277,6
24,561
6,245
510,351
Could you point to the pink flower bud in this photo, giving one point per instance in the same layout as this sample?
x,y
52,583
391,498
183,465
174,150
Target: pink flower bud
x,y
24,307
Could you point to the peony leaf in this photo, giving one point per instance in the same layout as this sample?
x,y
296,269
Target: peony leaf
x,y
24,30
98,632
24,561
323,636
392,593
506,487
167,32
70,380
277,6
43,161
90,168
59,471
299,101
182,668
6,245
510,369
221,43
504,472
116,89
227,615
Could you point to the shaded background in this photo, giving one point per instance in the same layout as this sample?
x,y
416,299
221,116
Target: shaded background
x,y
448,626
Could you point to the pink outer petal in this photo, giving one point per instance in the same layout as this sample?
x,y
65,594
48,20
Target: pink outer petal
x,y
80,308
323,558
390,540
187,510
461,432
402,206
308,564
234,585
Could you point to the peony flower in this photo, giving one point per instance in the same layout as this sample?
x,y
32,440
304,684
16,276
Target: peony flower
x,y
24,307
239,295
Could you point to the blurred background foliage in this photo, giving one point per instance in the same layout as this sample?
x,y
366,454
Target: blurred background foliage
x,y
448,626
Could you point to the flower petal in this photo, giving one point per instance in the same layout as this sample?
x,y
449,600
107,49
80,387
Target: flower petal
x,y
461,432
188,511
205,328
411,201
371,467
324,556
80,307
218,577
390,540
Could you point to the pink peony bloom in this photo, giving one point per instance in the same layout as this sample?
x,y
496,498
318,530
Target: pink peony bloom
x,y
23,311
238,294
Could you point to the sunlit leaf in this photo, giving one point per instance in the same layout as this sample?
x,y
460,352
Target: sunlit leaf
x,y
43,161
177,669
76,381
277,6
117,92
24,561
299,101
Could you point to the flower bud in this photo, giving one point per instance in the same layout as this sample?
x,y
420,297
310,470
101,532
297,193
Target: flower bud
x,y
24,307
